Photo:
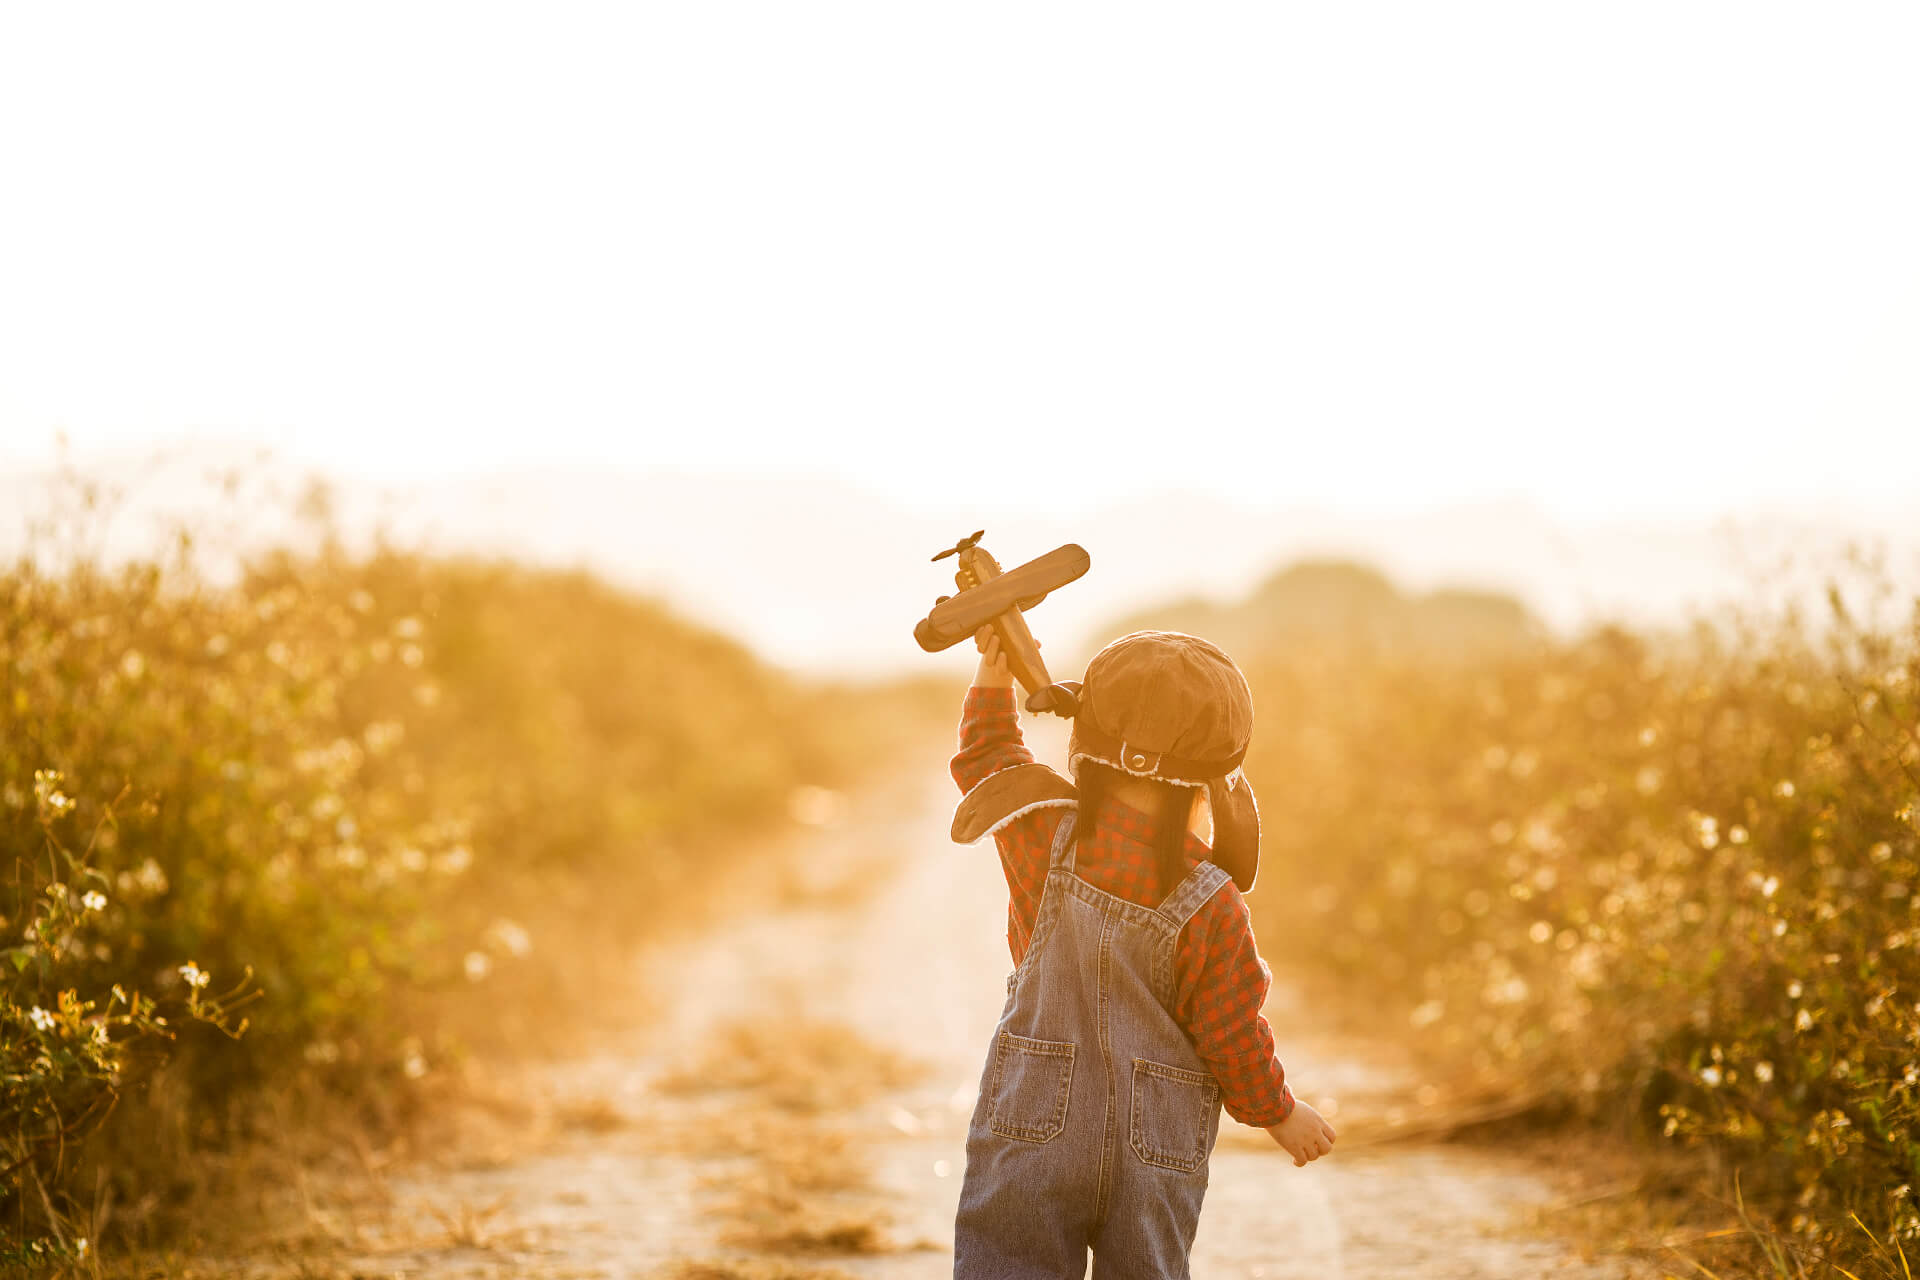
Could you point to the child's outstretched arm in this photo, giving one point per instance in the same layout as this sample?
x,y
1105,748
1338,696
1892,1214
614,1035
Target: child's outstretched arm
x,y
989,742
993,671
989,724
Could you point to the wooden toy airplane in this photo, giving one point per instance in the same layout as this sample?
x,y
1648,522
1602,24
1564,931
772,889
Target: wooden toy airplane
x,y
988,595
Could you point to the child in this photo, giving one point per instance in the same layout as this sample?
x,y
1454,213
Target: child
x,y
1134,1011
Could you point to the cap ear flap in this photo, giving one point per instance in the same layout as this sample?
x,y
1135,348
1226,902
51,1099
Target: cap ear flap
x,y
1001,797
1236,828
1073,688
1062,698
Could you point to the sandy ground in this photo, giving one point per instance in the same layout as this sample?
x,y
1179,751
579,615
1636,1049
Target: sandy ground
x,y
895,932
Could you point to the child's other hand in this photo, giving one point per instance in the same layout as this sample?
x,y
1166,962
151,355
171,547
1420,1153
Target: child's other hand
x,y
1304,1134
994,672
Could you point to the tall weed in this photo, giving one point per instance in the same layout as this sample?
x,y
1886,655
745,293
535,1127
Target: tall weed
x,y
1665,884
345,792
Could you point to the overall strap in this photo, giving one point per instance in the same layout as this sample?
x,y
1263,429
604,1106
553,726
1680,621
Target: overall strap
x,y
1193,893
1063,844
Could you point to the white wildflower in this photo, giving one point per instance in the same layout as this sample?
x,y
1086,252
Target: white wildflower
x,y
1512,991
41,1018
509,937
93,900
196,976
383,734
814,806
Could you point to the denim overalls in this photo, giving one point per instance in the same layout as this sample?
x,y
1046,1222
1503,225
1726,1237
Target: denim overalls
x,y
1095,1117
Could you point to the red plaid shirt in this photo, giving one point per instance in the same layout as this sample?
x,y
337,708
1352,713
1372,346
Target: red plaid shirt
x,y
1220,982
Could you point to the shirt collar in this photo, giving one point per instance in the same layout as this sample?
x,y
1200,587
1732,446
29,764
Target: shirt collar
x,y
1126,824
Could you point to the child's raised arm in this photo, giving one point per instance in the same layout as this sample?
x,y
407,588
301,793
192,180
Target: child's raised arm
x,y
989,724
993,671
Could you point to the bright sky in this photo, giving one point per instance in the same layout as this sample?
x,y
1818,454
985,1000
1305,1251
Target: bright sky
x,y
1607,257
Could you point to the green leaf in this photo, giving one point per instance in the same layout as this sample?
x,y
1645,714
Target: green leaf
x,y
21,957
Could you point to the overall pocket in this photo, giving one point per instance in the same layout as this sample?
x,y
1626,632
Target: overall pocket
x,y
1172,1116
1031,1081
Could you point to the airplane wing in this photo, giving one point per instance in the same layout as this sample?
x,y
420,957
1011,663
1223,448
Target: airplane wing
x,y
957,618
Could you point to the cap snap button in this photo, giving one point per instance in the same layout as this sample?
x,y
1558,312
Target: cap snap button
x,y
1138,761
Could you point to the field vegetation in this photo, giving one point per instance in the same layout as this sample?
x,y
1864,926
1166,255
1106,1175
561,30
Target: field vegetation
x,y
316,833
1668,885
326,828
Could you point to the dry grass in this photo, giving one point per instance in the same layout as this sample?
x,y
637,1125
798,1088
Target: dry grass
x,y
798,1226
797,1064
749,1269
470,1226
798,1156
805,1188
803,1194
589,1115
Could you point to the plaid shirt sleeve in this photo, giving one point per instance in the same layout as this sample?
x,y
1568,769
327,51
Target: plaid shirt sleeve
x,y
989,742
1222,984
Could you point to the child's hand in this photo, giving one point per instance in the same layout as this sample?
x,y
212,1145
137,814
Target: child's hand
x,y
1304,1134
994,672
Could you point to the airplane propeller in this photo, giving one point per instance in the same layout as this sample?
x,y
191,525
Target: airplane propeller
x,y
965,544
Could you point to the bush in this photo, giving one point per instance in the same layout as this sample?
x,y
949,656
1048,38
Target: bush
x,y
319,793
1669,881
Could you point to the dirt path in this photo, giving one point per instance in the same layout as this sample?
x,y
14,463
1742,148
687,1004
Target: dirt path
x,y
636,1178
